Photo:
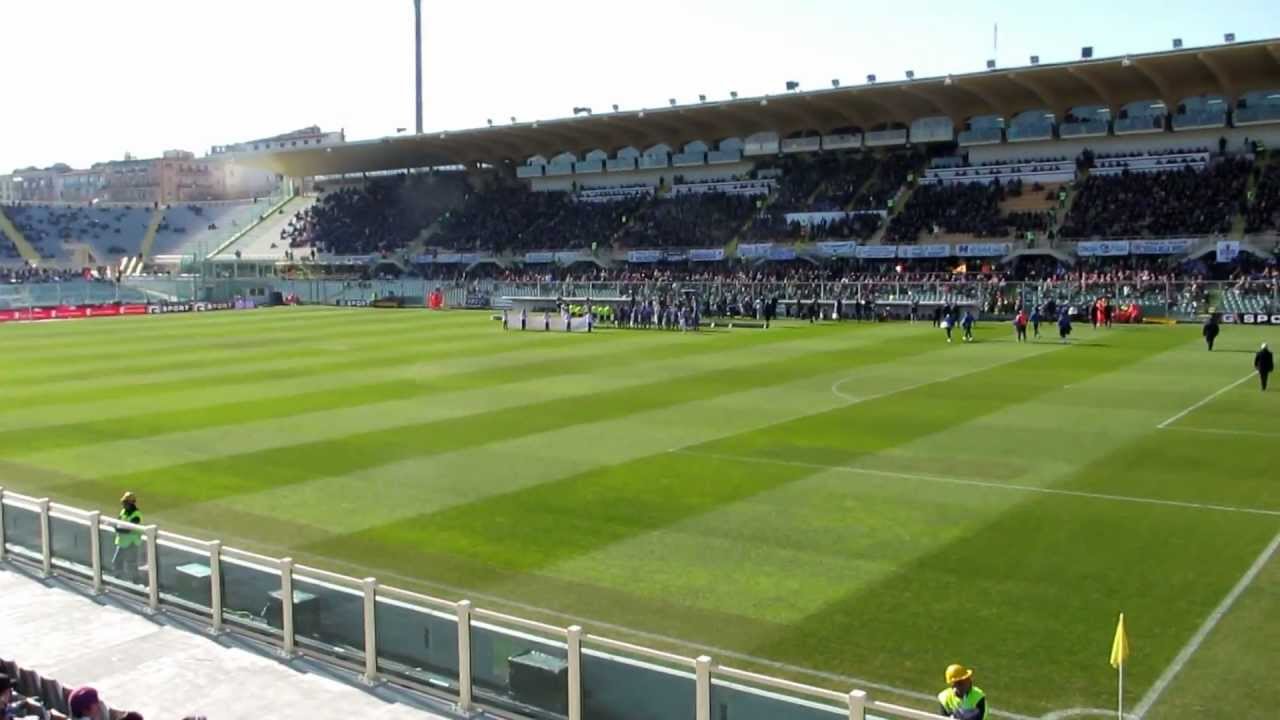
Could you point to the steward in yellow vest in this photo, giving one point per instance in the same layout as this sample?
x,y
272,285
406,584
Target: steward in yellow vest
x,y
962,700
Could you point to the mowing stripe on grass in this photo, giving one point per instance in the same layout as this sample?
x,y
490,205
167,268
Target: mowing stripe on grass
x,y
985,483
506,534
345,452
475,473
1162,683
353,394
241,349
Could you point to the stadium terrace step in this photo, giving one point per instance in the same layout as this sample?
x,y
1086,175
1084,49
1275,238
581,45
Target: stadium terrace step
x,y
153,227
9,230
257,241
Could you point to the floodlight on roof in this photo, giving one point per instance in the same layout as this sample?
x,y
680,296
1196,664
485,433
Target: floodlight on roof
x,y
513,119
1229,37
792,86
1126,62
1177,43
615,107
764,102
733,94
490,122
991,64
871,79
702,98
672,101
911,74
948,80
1086,52
1035,59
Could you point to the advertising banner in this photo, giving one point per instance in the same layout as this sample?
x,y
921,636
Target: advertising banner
x,y
707,255
644,256
983,250
917,252
829,248
877,252
1159,247
1103,248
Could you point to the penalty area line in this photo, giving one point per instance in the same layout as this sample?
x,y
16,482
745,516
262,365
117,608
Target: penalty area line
x,y
1204,402
981,483
835,387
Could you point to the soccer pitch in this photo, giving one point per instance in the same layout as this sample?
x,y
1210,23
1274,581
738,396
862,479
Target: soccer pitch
x,y
864,501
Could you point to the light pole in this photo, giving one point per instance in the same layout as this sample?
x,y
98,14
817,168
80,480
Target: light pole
x,y
417,57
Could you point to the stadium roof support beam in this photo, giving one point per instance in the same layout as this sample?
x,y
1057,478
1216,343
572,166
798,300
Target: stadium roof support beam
x,y
942,105
887,109
1274,51
995,105
1104,94
1226,88
1052,101
844,112
1158,82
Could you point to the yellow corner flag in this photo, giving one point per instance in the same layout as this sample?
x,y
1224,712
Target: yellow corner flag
x,y
1120,646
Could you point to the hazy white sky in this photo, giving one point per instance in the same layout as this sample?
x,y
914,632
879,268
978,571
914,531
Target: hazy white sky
x,y
88,80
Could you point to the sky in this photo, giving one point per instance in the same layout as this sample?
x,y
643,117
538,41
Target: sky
x,y
87,81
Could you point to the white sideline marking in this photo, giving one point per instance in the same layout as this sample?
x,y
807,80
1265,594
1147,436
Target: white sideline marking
x,y
1219,431
1203,402
1162,683
835,387
984,483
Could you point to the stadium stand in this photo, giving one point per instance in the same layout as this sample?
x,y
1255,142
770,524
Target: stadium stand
x,y
1158,202
111,231
202,228
1263,213
1042,170
702,220
968,208
380,216
1148,161
268,239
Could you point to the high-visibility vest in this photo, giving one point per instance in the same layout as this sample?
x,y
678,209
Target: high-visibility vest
x,y
126,537
952,702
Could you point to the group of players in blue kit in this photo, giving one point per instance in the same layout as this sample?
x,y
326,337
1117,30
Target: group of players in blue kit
x,y
952,318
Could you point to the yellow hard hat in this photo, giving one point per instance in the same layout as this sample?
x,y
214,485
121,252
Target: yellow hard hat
x,y
956,673
128,497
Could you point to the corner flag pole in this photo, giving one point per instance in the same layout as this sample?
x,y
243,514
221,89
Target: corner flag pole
x,y
1119,654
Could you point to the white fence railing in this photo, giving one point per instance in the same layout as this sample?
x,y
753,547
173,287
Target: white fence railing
x,y
366,627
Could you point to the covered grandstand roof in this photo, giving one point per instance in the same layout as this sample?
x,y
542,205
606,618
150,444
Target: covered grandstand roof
x,y
1170,76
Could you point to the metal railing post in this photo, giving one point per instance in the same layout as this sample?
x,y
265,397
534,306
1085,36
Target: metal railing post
x,y
95,549
153,569
573,644
370,630
702,685
46,544
2,552
464,656
857,705
286,605
215,587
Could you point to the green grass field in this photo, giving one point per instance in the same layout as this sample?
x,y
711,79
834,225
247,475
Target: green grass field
x,y
864,501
